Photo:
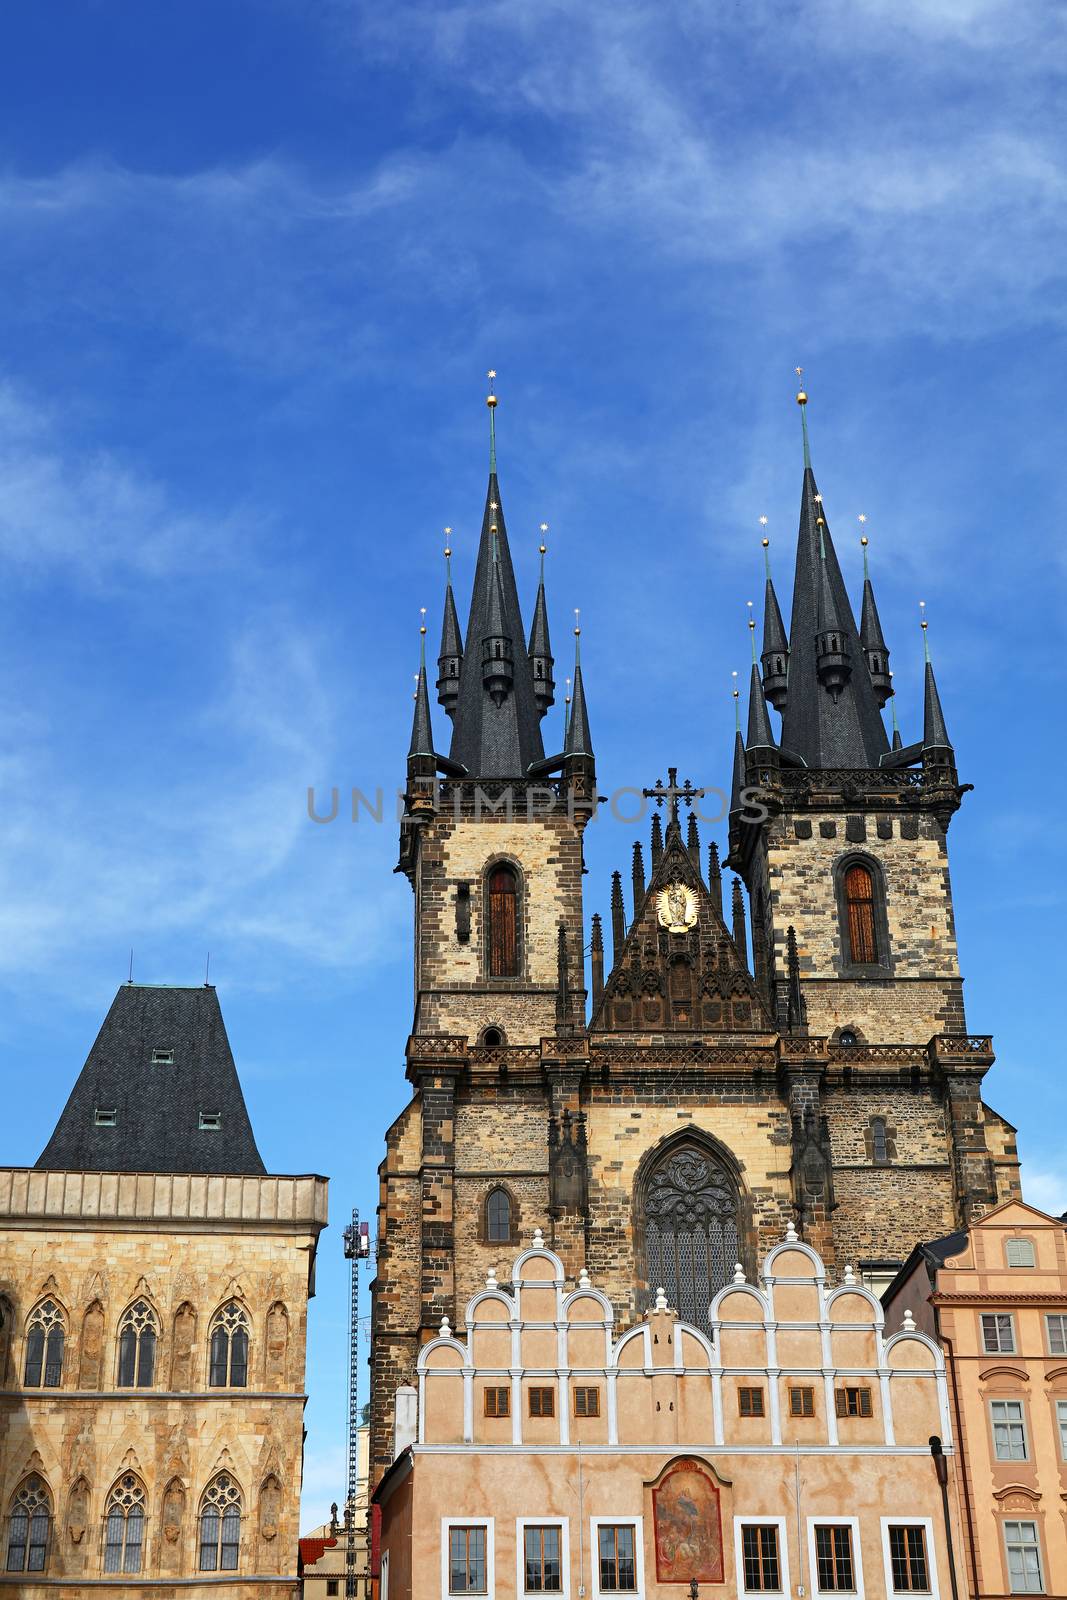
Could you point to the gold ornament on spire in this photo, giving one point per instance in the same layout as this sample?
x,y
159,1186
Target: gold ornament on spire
x,y
802,398
490,398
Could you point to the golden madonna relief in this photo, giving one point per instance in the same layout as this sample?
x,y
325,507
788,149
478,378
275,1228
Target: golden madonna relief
x,y
677,908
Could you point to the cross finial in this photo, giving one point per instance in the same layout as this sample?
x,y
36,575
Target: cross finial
x,y
672,791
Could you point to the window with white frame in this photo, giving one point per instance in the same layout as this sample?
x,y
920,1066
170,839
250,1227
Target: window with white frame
x,y
466,1556
834,1556
1019,1252
1061,1421
383,1580
1009,1430
998,1333
1056,1329
761,1555
618,1556
908,1554
1024,1558
543,1557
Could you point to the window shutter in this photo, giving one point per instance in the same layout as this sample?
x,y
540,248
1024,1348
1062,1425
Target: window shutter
x,y
866,1409
841,1402
859,900
503,918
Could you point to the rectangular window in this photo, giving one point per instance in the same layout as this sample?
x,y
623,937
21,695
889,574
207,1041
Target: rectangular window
x,y
210,1121
617,1557
542,1561
1009,1430
106,1119
760,1561
1057,1334
466,1561
162,1058
1061,1418
498,1402
834,1570
1019,1252
333,1586
854,1402
802,1402
587,1400
542,1402
750,1402
907,1560
1024,1558
998,1333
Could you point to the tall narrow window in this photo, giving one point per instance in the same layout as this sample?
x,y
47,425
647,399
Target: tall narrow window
x,y
503,923
28,1527
137,1347
762,1570
44,1347
542,1569
498,1217
907,1560
467,1572
833,1559
220,1525
616,1553
1024,1558
692,1233
859,906
879,1142
229,1348
124,1526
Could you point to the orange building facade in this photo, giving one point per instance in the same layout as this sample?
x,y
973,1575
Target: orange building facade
x,y
995,1298
785,1451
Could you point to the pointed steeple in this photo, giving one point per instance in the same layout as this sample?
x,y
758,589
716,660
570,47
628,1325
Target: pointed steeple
x,y
739,929
450,659
657,842
596,958
692,842
796,1008
618,918
638,872
540,649
831,717
775,654
898,743
874,646
579,740
737,780
715,877
937,746
496,724
421,747
760,733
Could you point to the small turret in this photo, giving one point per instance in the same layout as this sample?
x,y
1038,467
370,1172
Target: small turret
x,y
579,741
450,660
939,757
775,654
871,639
833,662
498,664
540,652
761,742
421,759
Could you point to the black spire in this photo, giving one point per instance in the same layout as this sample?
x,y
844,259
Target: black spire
x,y
421,729
540,648
159,1092
874,645
831,717
579,740
737,782
760,733
496,724
450,659
775,654
937,746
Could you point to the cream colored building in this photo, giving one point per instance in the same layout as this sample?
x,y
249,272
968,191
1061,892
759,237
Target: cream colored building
x,y
995,1297
154,1323
783,1451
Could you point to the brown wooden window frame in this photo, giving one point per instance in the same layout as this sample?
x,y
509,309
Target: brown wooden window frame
x,y
541,1401
761,1559
750,1401
854,1400
835,1558
503,901
802,1400
586,1400
859,887
496,1400
864,939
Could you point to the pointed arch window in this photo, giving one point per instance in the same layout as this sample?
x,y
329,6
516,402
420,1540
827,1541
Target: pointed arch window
x,y
691,1210
503,919
124,1526
137,1346
45,1338
498,1217
229,1347
220,1525
859,891
879,1140
29,1524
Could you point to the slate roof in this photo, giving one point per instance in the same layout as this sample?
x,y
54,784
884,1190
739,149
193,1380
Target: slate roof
x,y
157,1104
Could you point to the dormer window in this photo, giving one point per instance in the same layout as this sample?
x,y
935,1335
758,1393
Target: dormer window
x,y
105,1119
162,1058
210,1121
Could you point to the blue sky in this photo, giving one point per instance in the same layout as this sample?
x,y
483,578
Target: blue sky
x,y
256,261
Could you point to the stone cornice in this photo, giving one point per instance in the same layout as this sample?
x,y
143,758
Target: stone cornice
x,y
195,1201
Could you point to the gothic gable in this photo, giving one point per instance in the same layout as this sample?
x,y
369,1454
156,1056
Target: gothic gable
x,y
679,970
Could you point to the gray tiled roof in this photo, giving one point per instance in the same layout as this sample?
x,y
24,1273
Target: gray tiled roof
x,y
157,1104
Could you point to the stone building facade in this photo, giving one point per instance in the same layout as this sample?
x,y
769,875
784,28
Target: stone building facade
x,y
783,1448
794,1046
154,1286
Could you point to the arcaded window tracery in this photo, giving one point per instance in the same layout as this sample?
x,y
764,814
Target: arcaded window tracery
x,y
29,1524
229,1347
220,1525
691,1212
45,1336
124,1526
137,1346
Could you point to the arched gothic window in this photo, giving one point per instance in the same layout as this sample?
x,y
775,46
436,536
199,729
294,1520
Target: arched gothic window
x,y
45,1334
503,922
879,1142
229,1347
124,1526
220,1525
691,1211
28,1526
859,910
498,1216
137,1346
